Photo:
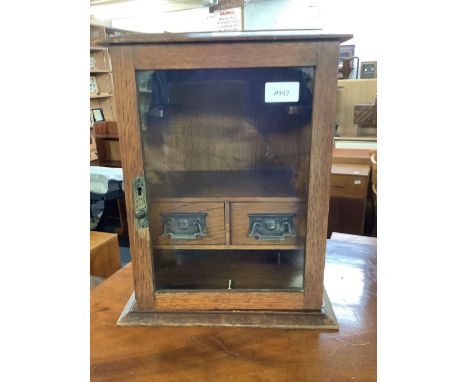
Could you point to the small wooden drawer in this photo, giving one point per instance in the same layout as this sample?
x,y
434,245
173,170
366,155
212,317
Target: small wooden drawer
x,y
187,223
251,222
349,186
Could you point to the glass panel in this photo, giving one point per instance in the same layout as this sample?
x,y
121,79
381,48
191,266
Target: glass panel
x,y
226,155
235,269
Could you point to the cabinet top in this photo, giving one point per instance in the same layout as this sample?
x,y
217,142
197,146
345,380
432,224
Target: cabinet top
x,y
283,35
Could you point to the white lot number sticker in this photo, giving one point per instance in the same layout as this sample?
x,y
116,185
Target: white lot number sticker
x,y
281,92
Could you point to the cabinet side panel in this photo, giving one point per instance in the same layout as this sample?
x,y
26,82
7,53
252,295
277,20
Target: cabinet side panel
x,y
132,164
323,120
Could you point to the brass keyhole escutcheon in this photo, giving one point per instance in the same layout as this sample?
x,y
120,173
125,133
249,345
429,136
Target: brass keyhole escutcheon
x,y
139,200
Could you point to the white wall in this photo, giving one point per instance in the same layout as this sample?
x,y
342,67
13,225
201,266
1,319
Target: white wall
x,y
281,14
354,17
150,16
335,16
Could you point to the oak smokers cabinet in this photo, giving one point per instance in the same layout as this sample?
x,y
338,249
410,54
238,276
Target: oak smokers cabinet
x,y
226,143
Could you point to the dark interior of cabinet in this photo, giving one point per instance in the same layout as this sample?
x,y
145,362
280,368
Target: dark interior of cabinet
x,y
211,133
213,269
235,183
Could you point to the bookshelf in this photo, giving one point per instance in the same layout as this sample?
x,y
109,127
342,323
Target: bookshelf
x,y
101,95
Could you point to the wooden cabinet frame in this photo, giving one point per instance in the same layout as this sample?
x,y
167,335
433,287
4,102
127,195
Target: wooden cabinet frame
x,y
143,53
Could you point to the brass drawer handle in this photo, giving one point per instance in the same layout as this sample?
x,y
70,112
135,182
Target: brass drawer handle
x,y
184,226
271,226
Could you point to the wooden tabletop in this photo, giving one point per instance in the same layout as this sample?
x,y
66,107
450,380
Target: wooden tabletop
x,y
245,354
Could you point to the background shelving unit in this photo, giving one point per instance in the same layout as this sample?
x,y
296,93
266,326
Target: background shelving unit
x,y
101,69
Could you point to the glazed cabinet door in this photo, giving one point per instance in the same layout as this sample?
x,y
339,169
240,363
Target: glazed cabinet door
x,y
224,150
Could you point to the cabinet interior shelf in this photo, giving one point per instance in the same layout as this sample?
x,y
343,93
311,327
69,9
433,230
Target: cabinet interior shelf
x,y
97,49
101,95
227,185
219,247
212,270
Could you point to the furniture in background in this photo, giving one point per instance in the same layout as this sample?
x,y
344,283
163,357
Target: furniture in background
x,y
368,143
351,156
365,116
217,167
348,67
104,254
368,69
107,144
348,198
106,188
93,151
101,96
351,93
239,354
345,61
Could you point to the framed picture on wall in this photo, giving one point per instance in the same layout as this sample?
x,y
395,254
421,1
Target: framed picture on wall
x,y
344,63
98,115
369,69
346,51
93,85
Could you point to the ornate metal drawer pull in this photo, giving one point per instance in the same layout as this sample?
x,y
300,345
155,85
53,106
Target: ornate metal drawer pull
x,y
184,226
271,226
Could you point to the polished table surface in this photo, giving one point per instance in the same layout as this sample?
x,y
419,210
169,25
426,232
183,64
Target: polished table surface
x,y
246,354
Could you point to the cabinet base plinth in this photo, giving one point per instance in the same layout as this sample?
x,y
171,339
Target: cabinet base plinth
x,y
323,319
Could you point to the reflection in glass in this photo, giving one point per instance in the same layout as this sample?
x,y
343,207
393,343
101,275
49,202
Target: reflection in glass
x,y
215,135
235,269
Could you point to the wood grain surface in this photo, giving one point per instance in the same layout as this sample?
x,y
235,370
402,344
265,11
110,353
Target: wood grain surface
x,y
352,156
276,35
132,165
222,55
350,93
365,115
229,300
321,53
349,186
147,354
274,245
240,224
324,104
105,254
214,220
348,198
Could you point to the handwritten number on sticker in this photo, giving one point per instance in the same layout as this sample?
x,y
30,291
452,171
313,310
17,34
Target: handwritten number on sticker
x,y
280,93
